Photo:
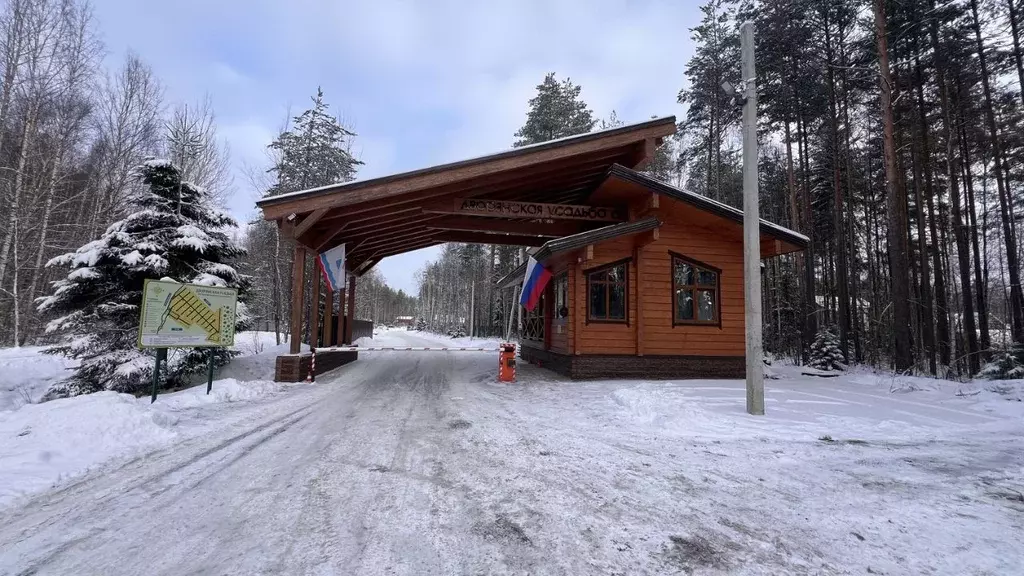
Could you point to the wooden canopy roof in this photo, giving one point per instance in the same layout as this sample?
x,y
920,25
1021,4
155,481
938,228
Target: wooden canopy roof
x,y
526,196
381,217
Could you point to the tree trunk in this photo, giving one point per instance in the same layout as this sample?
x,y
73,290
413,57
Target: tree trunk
x,y
841,276
810,324
952,174
19,183
44,228
897,234
940,302
1005,206
927,312
977,236
1018,55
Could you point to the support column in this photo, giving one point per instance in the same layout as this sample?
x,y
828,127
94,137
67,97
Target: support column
x,y
328,317
314,316
342,315
578,306
638,253
351,308
298,280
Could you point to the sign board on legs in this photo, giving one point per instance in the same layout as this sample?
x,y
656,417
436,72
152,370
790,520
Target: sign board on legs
x,y
177,315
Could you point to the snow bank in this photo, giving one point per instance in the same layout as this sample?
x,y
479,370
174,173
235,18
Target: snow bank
x,y
859,404
26,373
44,444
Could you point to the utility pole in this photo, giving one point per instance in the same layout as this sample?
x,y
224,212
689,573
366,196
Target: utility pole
x,y
751,227
472,309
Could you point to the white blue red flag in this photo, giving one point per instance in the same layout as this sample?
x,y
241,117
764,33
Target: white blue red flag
x,y
536,279
332,263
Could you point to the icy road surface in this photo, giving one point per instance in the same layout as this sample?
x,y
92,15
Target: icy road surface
x,y
420,464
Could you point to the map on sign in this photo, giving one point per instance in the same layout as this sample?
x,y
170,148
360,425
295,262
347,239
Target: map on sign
x,y
186,315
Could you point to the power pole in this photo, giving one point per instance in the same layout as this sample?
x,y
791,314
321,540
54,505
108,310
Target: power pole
x,y
751,227
472,309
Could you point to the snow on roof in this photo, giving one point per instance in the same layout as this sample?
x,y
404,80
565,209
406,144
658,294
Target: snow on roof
x,y
342,185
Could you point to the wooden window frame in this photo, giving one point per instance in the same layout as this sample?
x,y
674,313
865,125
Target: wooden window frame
x,y
717,322
537,316
586,283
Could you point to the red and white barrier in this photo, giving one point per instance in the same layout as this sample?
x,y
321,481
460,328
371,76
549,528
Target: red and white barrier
x,y
406,349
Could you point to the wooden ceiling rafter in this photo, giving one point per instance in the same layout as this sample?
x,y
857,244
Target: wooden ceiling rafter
x,y
406,236
380,217
484,238
399,245
412,216
492,225
513,161
380,254
595,172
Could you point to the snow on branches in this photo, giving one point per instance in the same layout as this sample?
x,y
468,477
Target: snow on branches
x,y
825,351
172,233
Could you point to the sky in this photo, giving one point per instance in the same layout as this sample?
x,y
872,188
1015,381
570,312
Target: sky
x,y
422,82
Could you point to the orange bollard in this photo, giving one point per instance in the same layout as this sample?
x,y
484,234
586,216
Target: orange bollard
x,y
507,363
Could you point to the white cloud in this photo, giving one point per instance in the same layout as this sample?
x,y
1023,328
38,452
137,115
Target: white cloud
x,y
224,73
422,83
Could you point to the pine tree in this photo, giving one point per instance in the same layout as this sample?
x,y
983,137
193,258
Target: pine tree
x,y
710,112
1006,364
421,324
825,351
315,152
555,112
173,232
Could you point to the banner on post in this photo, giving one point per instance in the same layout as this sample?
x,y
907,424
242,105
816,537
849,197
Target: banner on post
x,y
332,262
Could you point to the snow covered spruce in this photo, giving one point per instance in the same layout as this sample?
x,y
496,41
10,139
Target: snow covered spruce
x,y
173,232
825,352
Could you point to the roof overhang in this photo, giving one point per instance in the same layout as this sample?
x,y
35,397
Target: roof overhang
x,y
380,217
579,241
791,241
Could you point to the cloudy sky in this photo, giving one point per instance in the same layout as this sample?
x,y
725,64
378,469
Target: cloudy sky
x,y
423,82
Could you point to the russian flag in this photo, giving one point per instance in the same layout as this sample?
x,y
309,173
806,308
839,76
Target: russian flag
x,y
536,279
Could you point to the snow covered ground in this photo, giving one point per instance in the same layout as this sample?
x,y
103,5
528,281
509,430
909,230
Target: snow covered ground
x,y
26,373
423,464
42,445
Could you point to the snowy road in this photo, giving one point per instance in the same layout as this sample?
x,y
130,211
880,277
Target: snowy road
x,y
421,464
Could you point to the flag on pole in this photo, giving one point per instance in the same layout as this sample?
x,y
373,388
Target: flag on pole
x,y
332,263
536,279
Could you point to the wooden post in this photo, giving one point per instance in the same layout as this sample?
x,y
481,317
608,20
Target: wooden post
x,y
549,313
342,318
328,317
638,253
351,308
314,316
579,306
298,277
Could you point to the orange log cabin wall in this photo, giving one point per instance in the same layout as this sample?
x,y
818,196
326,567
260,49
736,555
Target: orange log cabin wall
x,y
650,333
